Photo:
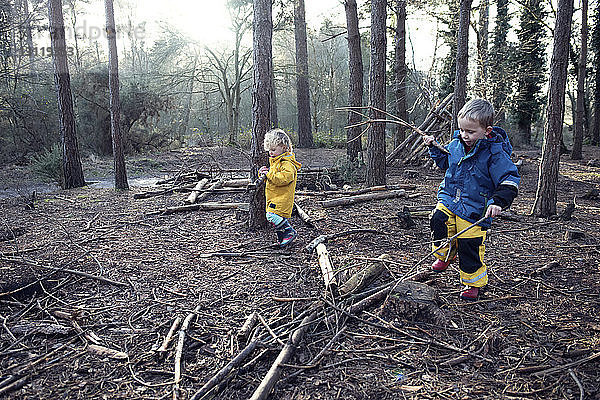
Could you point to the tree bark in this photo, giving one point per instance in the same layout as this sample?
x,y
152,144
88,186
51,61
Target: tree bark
x,y
115,106
355,82
545,199
376,167
462,61
71,165
498,72
305,138
482,49
400,70
576,152
261,102
595,42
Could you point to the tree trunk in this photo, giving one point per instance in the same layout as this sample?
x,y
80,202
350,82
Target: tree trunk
x,y
188,104
545,199
28,36
376,140
71,165
274,116
261,102
481,82
498,71
115,106
355,83
400,70
576,153
462,61
305,138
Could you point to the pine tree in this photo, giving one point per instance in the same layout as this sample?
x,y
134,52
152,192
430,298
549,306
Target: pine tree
x,y
531,68
499,64
595,48
448,71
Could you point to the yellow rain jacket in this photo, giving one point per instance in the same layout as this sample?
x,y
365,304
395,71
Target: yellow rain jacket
x,y
281,184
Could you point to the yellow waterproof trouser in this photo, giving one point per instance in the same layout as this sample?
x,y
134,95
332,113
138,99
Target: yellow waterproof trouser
x,y
469,245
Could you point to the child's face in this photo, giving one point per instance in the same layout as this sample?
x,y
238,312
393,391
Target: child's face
x,y
471,131
276,150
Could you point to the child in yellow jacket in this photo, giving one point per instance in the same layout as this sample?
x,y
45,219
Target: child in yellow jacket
x,y
280,186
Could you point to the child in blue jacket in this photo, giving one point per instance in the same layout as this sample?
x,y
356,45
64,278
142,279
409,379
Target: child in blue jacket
x,y
480,180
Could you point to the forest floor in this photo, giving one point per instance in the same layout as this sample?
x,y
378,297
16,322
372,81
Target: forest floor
x,y
534,333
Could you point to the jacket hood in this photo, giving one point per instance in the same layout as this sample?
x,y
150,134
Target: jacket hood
x,y
497,136
288,156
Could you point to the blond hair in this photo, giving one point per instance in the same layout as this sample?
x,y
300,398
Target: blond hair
x,y
277,137
479,110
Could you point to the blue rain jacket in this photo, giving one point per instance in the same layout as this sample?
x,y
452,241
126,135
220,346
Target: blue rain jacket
x,y
479,178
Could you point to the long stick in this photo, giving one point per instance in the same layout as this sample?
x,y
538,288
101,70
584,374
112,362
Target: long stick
x,y
262,392
234,363
397,121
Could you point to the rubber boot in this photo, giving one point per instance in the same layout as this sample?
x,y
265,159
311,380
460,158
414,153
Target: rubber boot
x,y
279,231
470,293
289,234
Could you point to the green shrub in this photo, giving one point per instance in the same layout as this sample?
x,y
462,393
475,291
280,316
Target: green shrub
x,y
352,172
48,165
330,140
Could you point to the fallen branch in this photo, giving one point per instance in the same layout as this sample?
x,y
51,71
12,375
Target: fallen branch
x,y
196,191
224,372
263,390
68,271
199,207
169,337
567,366
344,201
179,351
326,268
324,238
304,216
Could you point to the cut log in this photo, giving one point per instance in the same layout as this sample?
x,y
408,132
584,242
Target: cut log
x,y
326,268
196,191
364,277
218,184
238,183
412,301
146,195
200,207
345,201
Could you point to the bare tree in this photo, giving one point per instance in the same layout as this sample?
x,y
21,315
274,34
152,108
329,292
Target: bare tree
x,y
71,166
400,70
232,68
115,105
305,138
576,152
376,140
462,61
261,103
355,86
545,197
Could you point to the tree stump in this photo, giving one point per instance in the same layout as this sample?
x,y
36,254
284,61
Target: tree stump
x,y
412,301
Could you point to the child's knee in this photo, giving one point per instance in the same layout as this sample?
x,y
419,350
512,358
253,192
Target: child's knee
x,y
438,224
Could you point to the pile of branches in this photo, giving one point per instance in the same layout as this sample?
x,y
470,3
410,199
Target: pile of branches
x,y
329,315
437,123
